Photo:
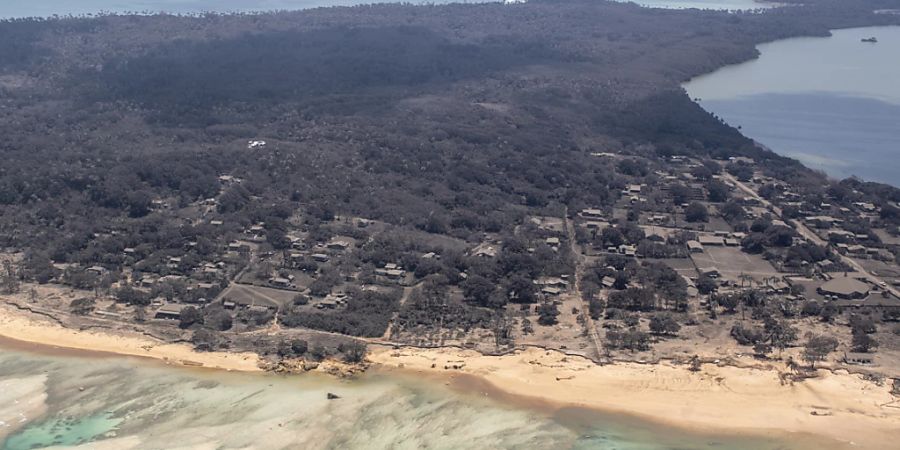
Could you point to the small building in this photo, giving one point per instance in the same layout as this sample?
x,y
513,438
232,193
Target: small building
x,y
863,359
280,282
484,250
592,213
706,239
608,282
552,291
170,311
552,241
711,272
695,247
320,257
338,244
845,287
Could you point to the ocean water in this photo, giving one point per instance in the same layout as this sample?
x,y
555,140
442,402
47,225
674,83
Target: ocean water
x,y
47,8
728,5
86,402
833,103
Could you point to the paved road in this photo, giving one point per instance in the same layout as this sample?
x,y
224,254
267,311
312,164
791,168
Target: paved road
x,y
811,236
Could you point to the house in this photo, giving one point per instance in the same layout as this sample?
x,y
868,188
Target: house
x,y
863,359
549,290
484,250
552,282
608,282
627,250
280,282
732,242
552,241
711,240
170,311
338,244
96,270
845,287
592,213
695,247
320,257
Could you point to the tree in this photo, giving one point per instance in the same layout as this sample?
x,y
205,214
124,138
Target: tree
x,y
547,314
299,346
10,281
190,316
664,323
205,340
706,285
863,342
82,306
761,349
354,352
521,289
780,333
718,191
478,290
696,212
817,348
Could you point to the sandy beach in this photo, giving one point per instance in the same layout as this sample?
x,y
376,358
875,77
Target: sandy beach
x,y
843,408
33,329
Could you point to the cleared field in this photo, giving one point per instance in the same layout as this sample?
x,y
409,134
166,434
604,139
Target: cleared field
x,y
255,295
732,262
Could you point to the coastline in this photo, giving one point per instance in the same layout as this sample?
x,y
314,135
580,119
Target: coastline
x,y
836,410
30,329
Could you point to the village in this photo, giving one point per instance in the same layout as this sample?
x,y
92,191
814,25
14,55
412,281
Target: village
x,y
694,258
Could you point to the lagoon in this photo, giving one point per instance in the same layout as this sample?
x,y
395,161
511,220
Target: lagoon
x,y
831,102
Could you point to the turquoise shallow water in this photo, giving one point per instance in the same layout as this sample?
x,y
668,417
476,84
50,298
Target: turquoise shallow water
x,y
833,103
119,403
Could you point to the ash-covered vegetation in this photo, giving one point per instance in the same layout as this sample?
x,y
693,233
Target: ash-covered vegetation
x,y
138,148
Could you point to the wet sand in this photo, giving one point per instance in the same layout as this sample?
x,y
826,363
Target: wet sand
x,y
836,410
31,330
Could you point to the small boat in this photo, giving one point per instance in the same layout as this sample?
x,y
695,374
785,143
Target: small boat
x,y
871,39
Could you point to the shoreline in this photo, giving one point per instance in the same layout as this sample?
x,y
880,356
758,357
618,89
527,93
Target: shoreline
x,y
835,410
28,330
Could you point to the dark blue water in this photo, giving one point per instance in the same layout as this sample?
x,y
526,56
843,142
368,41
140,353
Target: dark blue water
x,y
842,135
832,102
